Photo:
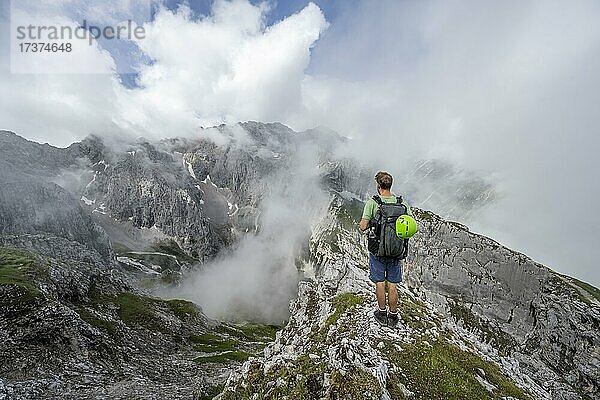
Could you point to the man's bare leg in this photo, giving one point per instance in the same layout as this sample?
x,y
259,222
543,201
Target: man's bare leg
x,y
380,293
392,297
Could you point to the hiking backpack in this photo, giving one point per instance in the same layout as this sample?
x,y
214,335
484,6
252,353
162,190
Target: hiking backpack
x,y
382,240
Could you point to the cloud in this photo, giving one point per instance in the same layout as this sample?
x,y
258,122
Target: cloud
x,y
256,280
224,67
221,69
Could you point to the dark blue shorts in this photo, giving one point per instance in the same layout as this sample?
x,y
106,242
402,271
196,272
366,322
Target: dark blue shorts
x,y
384,269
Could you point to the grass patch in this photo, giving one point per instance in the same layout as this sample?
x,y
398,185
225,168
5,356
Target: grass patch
x,y
331,240
108,326
183,309
343,303
355,384
489,333
209,343
592,290
302,379
393,387
312,305
17,269
566,286
413,313
424,215
250,332
142,311
440,370
137,310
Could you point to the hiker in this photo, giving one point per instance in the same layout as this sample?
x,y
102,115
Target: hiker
x,y
389,222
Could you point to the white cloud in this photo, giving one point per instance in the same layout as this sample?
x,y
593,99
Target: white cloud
x,y
222,68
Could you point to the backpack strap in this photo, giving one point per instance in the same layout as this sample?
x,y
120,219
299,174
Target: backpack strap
x,y
377,199
398,199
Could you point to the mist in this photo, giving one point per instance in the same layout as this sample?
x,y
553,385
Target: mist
x,y
255,280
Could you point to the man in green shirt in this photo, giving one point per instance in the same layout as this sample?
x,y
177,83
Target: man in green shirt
x,y
382,270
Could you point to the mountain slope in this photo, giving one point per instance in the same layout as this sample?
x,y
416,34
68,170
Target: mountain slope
x,y
87,233
477,321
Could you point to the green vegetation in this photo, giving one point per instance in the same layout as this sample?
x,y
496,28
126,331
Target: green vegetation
x,y
593,291
210,343
424,215
302,379
239,342
413,313
458,225
108,326
343,303
183,309
393,387
489,333
566,286
312,305
572,287
355,384
331,239
436,369
17,269
142,311
135,310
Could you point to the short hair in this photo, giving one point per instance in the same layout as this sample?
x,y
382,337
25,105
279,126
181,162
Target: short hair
x,y
384,180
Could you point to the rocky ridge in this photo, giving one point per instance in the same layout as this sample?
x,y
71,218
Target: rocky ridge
x,y
478,320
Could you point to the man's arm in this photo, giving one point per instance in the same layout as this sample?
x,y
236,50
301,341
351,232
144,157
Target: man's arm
x,y
363,224
367,214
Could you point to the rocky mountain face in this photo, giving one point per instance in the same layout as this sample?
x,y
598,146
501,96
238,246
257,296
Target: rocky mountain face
x,y
89,232
478,320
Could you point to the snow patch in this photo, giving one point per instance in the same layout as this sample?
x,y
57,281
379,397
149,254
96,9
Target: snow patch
x,y
92,181
101,209
87,201
188,165
208,180
152,270
102,162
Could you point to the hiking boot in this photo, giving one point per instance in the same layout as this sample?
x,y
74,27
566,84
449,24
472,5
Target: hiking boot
x,y
392,320
381,316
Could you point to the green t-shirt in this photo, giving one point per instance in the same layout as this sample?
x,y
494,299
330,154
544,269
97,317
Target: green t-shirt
x,y
371,207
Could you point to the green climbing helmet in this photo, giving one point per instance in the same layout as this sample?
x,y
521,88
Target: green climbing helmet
x,y
406,226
